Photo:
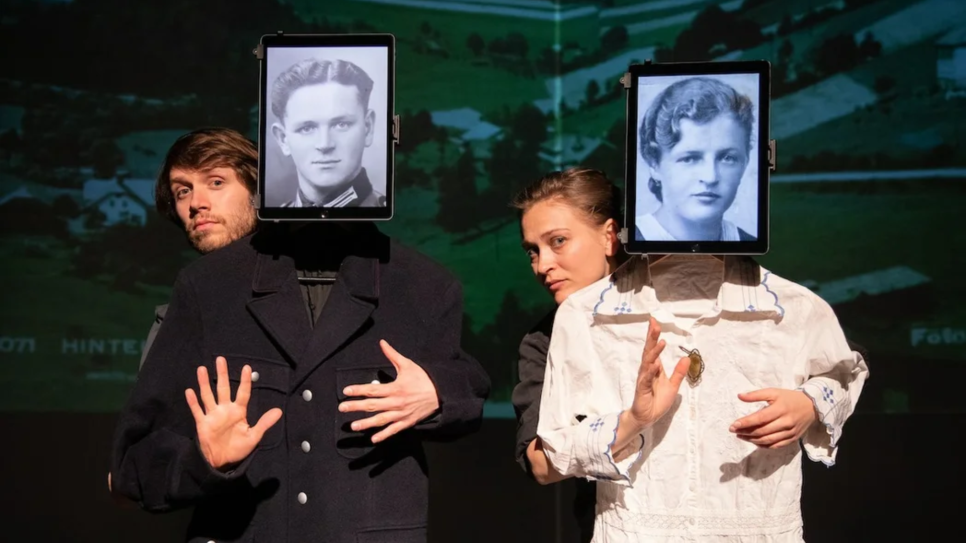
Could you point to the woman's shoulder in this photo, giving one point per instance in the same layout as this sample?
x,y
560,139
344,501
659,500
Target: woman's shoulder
x,y
539,335
545,325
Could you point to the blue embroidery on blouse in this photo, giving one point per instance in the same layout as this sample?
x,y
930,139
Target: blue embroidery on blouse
x,y
827,395
623,308
596,424
610,286
764,283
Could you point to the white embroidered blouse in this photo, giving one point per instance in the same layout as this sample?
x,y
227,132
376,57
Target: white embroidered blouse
x,y
694,480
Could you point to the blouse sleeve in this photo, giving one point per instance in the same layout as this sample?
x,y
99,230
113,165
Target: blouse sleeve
x,y
575,446
832,375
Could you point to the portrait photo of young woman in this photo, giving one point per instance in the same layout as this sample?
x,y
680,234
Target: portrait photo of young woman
x,y
697,175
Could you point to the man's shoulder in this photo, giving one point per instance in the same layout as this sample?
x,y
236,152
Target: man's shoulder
x,y
219,262
415,264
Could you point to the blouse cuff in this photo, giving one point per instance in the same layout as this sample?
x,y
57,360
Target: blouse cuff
x,y
829,398
593,451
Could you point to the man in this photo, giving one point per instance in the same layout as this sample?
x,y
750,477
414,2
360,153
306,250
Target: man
x,y
325,124
206,186
305,363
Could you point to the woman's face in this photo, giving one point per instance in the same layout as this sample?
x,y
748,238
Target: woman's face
x,y
567,250
700,175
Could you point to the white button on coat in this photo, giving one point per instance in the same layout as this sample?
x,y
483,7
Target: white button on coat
x,y
254,376
375,382
306,447
303,498
307,395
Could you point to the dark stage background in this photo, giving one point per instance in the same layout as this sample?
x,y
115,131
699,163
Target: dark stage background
x,y
868,203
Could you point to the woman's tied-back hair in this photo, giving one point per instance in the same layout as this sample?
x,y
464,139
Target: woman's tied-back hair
x,y
584,189
202,150
700,99
313,71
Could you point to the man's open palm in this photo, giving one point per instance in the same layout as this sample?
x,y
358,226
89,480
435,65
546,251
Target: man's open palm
x,y
223,431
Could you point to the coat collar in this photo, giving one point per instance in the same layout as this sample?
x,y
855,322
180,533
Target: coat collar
x,y
355,251
277,302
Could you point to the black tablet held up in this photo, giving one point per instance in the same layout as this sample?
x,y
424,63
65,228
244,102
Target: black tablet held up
x,y
698,158
326,127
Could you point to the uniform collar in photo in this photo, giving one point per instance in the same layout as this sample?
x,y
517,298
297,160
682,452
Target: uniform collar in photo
x,y
745,290
348,195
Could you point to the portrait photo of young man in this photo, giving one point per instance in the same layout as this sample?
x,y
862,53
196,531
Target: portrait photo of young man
x,y
326,132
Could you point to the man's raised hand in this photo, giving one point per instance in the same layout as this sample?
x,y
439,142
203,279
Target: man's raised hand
x,y
224,435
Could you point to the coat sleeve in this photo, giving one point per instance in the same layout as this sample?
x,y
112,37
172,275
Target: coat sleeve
x,y
832,376
156,461
526,394
462,384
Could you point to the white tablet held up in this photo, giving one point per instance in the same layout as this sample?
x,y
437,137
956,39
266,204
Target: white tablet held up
x,y
326,127
698,158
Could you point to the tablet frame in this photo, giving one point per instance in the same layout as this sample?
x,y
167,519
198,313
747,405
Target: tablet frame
x,y
281,40
764,152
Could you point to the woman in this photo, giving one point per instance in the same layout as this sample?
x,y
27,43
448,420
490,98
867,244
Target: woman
x,y
569,230
696,141
569,223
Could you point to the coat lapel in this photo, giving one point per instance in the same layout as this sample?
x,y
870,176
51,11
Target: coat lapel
x,y
354,297
278,306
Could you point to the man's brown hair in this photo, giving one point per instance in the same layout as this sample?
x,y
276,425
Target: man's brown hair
x,y
202,150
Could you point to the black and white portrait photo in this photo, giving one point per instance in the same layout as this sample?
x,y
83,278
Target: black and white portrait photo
x,y
697,165
326,128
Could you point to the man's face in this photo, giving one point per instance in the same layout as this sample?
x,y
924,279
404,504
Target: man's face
x,y
214,205
325,131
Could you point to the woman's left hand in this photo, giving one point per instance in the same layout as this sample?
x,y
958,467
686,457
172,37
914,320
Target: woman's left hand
x,y
787,417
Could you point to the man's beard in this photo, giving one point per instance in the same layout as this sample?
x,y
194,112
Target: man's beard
x,y
234,227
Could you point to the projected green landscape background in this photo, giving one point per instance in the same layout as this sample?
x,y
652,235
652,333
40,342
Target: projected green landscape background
x,y
869,112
